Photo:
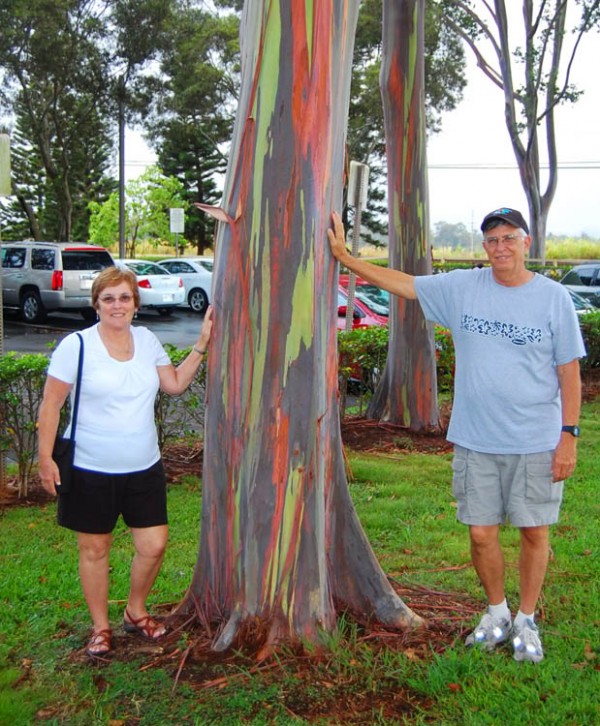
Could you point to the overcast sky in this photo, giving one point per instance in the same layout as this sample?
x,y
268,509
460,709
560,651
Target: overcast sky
x,y
475,135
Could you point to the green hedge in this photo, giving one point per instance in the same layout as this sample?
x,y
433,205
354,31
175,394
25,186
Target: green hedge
x,y
590,327
21,386
22,380
362,356
367,348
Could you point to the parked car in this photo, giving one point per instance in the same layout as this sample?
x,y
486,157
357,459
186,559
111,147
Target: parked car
x,y
44,277
159,290
582,306
207,262
585,281
196,273
363,316
376,299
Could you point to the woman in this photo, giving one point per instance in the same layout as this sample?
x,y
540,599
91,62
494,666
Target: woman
x,y
118,468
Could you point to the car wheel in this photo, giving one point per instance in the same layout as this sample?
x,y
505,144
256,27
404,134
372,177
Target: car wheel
x,y
198,300
32,308
165,312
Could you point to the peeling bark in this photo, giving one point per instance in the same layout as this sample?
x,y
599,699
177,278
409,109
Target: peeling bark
x,y
407,393
280,542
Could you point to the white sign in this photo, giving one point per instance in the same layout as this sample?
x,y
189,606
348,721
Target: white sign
x,y
358,184
176,220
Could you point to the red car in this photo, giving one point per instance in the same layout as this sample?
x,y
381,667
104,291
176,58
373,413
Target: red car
x,y
371,304
364,316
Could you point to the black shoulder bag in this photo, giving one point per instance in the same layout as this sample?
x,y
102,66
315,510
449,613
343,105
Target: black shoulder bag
x,y
63,452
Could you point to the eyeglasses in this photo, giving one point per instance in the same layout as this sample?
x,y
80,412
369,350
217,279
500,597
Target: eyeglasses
x,y
111,299
508,240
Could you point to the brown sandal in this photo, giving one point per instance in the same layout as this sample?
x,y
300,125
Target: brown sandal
x,y
146,626
101,639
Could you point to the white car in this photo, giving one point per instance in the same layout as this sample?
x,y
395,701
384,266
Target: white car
x,y
207,262
196,273
158,289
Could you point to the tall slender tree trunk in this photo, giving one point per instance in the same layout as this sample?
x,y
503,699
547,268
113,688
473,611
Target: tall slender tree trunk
x,y
407,393
280,542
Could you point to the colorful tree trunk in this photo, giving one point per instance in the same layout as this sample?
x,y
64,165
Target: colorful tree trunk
x,y
407,393
280,542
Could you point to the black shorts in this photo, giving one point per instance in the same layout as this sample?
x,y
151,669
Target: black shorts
x,y
95,500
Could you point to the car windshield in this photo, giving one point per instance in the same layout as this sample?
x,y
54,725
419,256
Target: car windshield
x,y
146,268
207,264
580,302
579,276
376,298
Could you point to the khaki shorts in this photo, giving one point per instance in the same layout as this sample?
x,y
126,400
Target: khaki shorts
x,y
493,488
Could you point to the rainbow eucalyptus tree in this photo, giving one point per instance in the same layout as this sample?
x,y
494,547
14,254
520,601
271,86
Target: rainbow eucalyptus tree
x,y
281,548
407,393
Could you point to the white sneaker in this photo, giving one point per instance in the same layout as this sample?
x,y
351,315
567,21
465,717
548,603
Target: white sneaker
x,y
526,642
489,633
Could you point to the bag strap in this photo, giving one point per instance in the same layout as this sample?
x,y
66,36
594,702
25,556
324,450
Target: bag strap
x,y
77,389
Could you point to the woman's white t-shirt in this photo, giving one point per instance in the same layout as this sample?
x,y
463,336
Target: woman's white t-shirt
x,y
115,430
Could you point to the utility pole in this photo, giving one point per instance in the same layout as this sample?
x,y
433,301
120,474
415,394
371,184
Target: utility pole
x,y
121,114
5,191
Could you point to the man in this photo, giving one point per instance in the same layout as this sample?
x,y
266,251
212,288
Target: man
x,y
515,413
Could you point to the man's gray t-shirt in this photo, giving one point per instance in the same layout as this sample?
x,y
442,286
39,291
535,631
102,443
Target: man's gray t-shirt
x,y
508,342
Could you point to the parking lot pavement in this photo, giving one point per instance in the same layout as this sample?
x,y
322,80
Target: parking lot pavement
x,y
181,329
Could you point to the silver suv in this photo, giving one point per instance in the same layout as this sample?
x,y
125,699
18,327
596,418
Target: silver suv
x,y
41,277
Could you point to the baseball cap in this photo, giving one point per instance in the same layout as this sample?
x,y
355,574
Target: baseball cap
x,y
506,214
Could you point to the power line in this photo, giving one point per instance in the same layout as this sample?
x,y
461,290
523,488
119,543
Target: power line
x,y
565,165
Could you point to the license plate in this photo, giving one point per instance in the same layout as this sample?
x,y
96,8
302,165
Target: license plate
x,y
85,284
167,297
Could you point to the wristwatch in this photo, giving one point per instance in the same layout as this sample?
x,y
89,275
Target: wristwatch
x,y
573,430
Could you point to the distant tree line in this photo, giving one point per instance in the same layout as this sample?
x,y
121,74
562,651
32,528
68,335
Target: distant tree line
x,y
446,234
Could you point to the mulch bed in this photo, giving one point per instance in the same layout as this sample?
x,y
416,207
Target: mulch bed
x,y
314,691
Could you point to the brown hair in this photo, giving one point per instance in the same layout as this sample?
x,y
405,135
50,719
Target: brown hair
x,y
112,276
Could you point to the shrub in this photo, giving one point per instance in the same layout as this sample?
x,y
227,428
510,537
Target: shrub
x,y
590,327
22,380
363,353
362,357
21,387
180,416
444,353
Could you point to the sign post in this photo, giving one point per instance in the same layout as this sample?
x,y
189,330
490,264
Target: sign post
x,y
176,225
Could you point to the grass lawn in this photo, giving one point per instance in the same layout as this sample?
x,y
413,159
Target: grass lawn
x,y
406,507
